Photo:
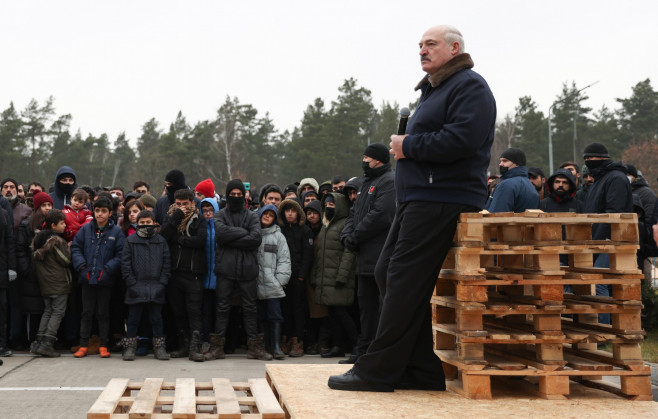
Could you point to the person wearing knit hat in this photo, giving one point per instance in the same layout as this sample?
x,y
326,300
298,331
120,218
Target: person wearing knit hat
x,y
307,184
39,198
378,152
515,192
19,210
610,193
174,180
640,188
236,264
205,189
290,191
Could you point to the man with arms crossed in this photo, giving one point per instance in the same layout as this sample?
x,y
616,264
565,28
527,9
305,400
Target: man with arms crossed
x,y
441,172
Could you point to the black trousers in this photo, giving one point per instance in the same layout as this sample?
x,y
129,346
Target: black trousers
x,y
95,302
369,305
249,299
184,295
294,309
417,244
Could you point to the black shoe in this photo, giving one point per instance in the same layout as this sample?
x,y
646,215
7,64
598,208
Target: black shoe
x,y
5,352
334,352
352,382
351,360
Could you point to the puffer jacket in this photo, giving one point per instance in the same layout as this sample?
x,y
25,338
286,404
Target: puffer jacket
x,y
640,187
97,254
333,268
300,240
238,236
52,263
146,268
273,264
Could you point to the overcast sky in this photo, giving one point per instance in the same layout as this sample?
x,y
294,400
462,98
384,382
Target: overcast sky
x,y
114,65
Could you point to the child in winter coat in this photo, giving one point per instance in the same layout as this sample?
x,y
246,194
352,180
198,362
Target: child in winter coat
x,y
300,243
52,262
146,267
77,214
209,208
96,252
274,273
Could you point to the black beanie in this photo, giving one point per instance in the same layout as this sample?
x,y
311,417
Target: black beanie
x,y
515,155
631,170
291,188
176,177
235,184
596,150
378,152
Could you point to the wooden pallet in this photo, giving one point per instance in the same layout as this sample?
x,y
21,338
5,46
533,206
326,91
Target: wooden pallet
x,y
153,398
548,381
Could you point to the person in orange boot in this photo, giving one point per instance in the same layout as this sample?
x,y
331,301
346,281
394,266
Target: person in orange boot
x,y
96,253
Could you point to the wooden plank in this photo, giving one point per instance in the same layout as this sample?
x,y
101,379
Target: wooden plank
x,y
268,405
584,364
184,399
225,399
146,398
503,363
107,402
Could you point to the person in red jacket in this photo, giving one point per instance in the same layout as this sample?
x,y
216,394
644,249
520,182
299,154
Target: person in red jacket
x,y
77,214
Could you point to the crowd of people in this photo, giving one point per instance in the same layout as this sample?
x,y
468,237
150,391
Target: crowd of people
x,y
194,273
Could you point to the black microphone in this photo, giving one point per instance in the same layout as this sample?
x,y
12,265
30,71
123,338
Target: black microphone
x,y
404,117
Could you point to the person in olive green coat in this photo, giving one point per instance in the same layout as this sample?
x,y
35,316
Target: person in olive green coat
x,y
333,273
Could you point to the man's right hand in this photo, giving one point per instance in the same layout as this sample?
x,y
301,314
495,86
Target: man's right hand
x,y
396,146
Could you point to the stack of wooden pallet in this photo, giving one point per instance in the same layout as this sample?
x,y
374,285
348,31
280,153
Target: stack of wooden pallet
x,y
501,308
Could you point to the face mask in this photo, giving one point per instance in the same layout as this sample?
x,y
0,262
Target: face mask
x,y
66,188
365,166
503,169
147,231
595,164
329,213
235,203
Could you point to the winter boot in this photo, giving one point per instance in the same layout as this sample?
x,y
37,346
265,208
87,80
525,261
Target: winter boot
x,y
47,347
35,344
216,350
255,349
81,352
285,345
159,348
296,348
183,346
129,348
195,347
277,353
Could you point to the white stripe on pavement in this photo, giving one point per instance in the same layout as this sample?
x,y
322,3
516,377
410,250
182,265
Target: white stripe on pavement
x,y
52,388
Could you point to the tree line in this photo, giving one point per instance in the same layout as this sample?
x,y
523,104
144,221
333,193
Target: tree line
x,y
242,143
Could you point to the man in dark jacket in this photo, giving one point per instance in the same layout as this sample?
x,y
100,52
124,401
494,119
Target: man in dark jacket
x,y
65,184
20,211
538,180
515,192
238,236
174,181
441,172
640,187
561,187
610,193
185,232
7,274
365,232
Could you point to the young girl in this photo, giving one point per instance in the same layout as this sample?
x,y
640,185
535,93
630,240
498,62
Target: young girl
x,y
129,219
273,275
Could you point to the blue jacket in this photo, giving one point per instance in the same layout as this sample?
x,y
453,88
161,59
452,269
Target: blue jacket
x,y
449,140
210,281
97,256
515,193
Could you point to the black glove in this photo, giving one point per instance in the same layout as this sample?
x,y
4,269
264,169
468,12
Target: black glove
x,y
350,244
177,216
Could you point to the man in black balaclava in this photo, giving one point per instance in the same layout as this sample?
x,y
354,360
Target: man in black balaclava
x,y
65,184
174,180
238,236
365,233
610,193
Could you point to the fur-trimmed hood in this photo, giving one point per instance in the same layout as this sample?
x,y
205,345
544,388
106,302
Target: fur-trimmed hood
x,y
282,211
458,63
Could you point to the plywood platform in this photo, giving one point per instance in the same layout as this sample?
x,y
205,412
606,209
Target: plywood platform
x,y
303,392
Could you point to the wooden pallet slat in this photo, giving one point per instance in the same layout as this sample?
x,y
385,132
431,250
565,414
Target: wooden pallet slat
x,y
108,401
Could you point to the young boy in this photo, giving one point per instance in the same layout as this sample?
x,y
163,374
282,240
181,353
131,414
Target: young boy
x,y
145,265
77,214
273,275
300,243
209,208
185,233
52,260
96,252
